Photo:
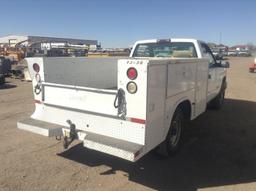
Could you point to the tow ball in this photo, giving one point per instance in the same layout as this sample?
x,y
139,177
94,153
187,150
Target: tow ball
x,y
71,136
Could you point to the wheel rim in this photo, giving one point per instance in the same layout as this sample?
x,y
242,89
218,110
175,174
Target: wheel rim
x,y
175,132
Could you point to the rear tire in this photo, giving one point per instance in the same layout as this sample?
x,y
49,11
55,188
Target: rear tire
x,y
174,138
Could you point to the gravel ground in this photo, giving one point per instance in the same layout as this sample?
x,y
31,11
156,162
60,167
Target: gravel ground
x,y
219,152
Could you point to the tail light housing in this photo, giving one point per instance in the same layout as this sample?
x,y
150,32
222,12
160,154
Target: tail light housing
x,y
132,87
132,73
36,67
38,78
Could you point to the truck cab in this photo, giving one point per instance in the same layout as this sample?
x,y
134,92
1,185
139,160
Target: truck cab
x,y
217,72
188,48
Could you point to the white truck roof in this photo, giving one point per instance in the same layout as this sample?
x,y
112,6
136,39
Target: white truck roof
x,y
194,41
171,39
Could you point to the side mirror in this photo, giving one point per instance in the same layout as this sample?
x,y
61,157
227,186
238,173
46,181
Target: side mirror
x,y
219,57
225,64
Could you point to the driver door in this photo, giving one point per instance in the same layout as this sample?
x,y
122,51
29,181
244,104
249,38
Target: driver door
x,y
212,89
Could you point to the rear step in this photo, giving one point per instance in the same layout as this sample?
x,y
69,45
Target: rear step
x,y
123,149
40,127
120,148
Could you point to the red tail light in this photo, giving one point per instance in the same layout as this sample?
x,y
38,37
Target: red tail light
x,y
36,67
132,73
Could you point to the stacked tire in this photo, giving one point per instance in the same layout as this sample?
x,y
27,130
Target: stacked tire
x,y
2,79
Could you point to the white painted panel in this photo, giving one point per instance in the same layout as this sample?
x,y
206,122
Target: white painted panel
x,y
181,77
80,99
31,62
136,103
155,105
201,87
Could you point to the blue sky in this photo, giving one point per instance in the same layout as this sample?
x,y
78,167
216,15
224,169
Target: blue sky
x,y
120,23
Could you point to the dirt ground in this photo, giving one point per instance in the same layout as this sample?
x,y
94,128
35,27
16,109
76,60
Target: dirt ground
x,y
219,152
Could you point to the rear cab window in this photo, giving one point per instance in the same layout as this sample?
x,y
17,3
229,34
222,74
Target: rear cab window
x,y
166,49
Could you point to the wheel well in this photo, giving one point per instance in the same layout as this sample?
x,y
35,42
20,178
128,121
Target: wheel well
x,y
224,83
185,106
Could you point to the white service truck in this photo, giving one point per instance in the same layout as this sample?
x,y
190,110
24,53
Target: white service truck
x,y
126,107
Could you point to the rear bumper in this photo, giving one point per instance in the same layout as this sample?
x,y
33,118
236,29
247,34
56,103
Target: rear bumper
x,y
119,148
40,127
109,145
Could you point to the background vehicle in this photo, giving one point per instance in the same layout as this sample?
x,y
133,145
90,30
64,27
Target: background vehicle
x,y
6,65
126,107
5,68
232,53
243,53
218,53
252,67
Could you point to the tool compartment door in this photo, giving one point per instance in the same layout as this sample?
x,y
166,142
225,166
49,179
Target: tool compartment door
x,y
201,87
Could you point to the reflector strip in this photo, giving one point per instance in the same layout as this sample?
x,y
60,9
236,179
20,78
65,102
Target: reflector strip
x,y
135,120
38,101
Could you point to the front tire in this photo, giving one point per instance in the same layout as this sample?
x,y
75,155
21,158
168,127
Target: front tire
x,y
218,101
